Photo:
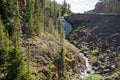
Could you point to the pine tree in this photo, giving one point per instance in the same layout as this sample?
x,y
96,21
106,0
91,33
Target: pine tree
x,y
4,11
28,75
62,62
17,25
37,18
13,25
4,47
30,17
15,68
65,8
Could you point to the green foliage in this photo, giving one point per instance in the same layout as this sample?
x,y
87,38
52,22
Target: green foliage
x,y
2,56
12,58
29,9
86,50
28,71
15,67
65,8
116,74
2,34
29,16
93,59
92,55
36,18
62,62
4,46
93,77
49,75
4,10
95,52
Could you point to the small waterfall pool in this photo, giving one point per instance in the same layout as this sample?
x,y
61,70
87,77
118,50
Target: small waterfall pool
x,y
68,28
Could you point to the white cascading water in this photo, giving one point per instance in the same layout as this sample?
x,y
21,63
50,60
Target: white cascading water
x,y
88,67
68,28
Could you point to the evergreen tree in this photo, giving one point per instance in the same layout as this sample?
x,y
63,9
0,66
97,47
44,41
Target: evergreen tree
x,y
62,62
28,75
30,16
15,68
37,18
4,11
65,8
14,24
4,47
12,63
60,31
17,25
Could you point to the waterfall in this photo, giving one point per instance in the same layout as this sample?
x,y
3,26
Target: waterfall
x,y
66,26
88,67
67,29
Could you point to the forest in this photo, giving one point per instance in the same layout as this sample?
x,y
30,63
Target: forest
x,y
20,20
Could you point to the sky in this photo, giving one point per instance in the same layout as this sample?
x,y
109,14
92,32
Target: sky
x,y
80,6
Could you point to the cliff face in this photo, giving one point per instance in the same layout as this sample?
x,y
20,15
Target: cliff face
x,y
107,6
92,20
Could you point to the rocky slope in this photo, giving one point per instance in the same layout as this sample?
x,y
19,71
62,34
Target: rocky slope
x,y
44,51
106,43
98,36
107,6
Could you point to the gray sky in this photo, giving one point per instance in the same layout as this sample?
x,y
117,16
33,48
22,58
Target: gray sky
x,y
79,6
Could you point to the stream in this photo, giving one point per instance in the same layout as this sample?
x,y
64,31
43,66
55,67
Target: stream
x,y
67,29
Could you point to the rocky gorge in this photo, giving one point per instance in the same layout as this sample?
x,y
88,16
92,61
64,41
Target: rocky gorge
x,y
98,36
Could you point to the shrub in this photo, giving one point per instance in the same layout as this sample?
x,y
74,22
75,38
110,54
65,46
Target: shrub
x,y
93,77
95,52
93,59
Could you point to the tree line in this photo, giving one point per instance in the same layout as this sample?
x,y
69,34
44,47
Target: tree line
x,y
29,18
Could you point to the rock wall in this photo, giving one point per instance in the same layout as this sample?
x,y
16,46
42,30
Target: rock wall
x,y
92,20
107,6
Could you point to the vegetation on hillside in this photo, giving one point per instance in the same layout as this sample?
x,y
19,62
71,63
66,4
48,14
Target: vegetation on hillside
x,y
33,45
25,24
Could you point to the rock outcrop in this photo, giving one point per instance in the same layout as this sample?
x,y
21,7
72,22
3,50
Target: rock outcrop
x,y
107,6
